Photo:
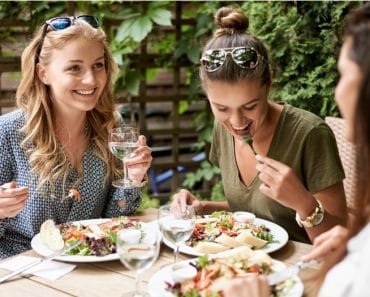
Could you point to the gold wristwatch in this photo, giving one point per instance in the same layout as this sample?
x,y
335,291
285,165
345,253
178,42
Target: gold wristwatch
x,y
313,219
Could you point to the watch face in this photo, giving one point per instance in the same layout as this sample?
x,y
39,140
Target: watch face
x,y
317,219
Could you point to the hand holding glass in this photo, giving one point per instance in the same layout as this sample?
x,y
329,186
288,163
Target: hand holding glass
x,y
176,224
123,141
138,250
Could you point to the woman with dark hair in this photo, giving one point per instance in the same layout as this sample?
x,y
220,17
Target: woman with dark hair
x,y
58,138
345,252
295,180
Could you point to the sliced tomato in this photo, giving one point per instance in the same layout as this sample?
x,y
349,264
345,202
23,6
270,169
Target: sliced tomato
x,y
200,227
254,269
223,229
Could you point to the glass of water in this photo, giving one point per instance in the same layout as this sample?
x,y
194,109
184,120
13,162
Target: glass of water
x,y
138,249
176,225
123,141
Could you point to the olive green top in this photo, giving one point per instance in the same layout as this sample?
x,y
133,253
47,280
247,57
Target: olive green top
x,y
302,141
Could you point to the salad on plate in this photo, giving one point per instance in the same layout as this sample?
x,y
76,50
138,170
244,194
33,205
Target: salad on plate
x,y
99,236
223,230
207,275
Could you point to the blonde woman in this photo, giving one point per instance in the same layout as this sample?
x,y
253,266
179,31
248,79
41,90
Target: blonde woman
x,y
58,138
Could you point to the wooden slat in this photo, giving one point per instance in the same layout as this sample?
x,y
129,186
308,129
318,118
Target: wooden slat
x,y
10,64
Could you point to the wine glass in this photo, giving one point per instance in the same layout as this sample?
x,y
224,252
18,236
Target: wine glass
x,y
138,249
176,225
123,141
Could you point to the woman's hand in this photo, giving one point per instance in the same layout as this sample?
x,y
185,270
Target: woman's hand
x,y
281,184
183,198
328,242
249,286
140,163
12,200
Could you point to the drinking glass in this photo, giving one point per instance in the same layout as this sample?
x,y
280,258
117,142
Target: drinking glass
x,y
176,225
123,141
138,249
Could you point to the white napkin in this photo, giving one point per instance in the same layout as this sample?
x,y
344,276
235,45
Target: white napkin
x,y
50,270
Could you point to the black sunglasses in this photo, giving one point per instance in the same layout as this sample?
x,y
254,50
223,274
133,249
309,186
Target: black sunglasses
x,y
61,23
244,57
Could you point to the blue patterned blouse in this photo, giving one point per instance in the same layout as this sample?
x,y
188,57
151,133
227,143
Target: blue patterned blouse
x,y
97,199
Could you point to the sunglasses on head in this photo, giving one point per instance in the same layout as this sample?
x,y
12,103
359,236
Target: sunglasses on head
x,y
61,23
244,57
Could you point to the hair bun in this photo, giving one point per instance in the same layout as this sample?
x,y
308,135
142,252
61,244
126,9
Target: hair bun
x,y
229,21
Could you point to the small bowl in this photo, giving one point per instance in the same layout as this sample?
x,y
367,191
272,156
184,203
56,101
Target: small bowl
x,y
181,272
244,217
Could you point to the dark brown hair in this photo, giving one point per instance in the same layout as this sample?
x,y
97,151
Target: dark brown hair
x,y
357,28
231,32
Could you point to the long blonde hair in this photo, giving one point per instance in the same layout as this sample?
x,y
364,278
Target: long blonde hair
x,y
47,159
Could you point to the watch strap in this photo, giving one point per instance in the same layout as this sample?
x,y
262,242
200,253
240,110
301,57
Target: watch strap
x,y
314,219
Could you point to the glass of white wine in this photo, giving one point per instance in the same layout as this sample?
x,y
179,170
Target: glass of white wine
x,y
123,141
138,250
176,225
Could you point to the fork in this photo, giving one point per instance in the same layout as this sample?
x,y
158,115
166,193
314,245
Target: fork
x,y
289,272
41,260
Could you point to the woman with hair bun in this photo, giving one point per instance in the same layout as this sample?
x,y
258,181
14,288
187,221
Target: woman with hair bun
x,y
277,161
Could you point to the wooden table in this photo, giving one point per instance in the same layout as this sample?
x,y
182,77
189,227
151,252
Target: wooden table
x,y
112,278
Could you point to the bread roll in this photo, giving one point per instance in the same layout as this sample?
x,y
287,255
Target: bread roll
x,y
50,235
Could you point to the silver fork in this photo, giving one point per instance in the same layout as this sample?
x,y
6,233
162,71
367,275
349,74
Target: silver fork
x,y
289,272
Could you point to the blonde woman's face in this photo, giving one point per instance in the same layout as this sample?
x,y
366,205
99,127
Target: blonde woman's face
x,y
347,90
76,75
240,106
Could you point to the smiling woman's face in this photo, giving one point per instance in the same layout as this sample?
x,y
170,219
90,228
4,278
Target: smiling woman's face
x,y
347,90
240,106
76,75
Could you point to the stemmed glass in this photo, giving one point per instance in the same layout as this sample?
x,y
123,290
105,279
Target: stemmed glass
x,y
123,141
138,250
176,225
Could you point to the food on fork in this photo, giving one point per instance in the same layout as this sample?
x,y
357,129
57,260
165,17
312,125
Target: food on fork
x,y
74,194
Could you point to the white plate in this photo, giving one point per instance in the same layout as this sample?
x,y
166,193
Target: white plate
x,y
157,283
40,248
277,231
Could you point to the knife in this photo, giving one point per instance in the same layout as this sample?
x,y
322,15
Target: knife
x,y
41,260
285,274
